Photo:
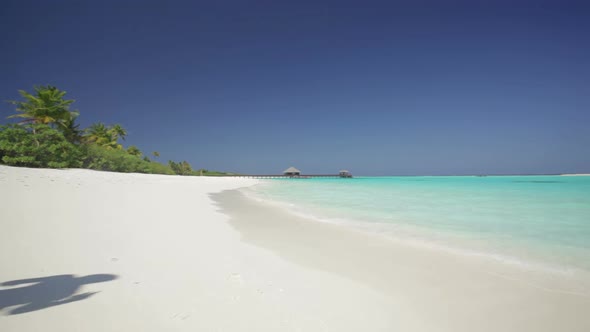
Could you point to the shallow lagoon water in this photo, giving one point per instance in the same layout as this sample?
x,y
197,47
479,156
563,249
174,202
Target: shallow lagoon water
x,y
539,222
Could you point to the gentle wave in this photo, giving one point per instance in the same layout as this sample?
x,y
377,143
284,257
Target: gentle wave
x,y
406,234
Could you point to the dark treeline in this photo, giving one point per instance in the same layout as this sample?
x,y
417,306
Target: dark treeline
x,y
49,137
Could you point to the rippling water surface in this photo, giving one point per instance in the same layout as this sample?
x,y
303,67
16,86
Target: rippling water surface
x,y
536,221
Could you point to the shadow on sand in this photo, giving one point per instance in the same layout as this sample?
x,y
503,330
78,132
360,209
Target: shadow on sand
x,y
45,292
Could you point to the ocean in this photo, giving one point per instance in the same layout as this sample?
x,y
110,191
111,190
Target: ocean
x,y
534,222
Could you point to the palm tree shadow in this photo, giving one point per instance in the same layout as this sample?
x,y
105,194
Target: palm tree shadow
x,y
45,292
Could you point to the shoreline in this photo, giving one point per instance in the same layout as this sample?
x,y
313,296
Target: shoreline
x,y
101,251
424,278
135,252
518,254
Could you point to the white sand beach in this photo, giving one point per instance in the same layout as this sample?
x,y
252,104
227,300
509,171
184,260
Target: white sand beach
x,y
131,252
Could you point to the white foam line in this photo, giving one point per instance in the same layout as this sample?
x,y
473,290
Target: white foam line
x,y
387,231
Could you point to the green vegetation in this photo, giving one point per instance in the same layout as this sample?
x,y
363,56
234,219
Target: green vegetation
x,y
105,136
104,159
37,145
211,173
47,106
134,151
183,168
48,136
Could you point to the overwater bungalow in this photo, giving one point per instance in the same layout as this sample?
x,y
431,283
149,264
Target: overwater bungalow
x,y
292,171
344,174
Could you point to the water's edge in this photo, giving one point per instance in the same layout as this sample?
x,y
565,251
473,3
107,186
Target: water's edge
x,y
354,253
512,251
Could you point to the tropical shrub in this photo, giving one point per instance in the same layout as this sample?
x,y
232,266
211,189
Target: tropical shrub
x,y
134,151
211,173
157,168
105,159
37,145
181,168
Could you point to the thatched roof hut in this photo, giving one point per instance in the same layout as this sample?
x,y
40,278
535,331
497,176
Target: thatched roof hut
x,y
292,171
345,174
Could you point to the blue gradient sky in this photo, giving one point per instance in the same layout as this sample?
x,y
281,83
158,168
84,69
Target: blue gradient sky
x,y
414,87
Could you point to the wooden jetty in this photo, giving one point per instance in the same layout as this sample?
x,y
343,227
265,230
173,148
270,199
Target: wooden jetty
x,y
294,173
279,176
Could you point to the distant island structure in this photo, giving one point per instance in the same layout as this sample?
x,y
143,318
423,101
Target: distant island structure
x,y
345,174
292,171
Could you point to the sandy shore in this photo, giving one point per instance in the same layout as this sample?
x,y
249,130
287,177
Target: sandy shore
x,y
130,252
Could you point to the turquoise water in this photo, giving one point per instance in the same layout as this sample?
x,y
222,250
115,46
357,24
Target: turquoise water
x,y
533,221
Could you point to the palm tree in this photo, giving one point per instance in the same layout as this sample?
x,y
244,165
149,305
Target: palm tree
x,y
71,131
97,133
181,168
47,106
106,136
118,132
134,151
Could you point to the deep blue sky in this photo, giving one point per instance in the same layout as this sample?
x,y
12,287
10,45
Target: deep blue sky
x,y
387,87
